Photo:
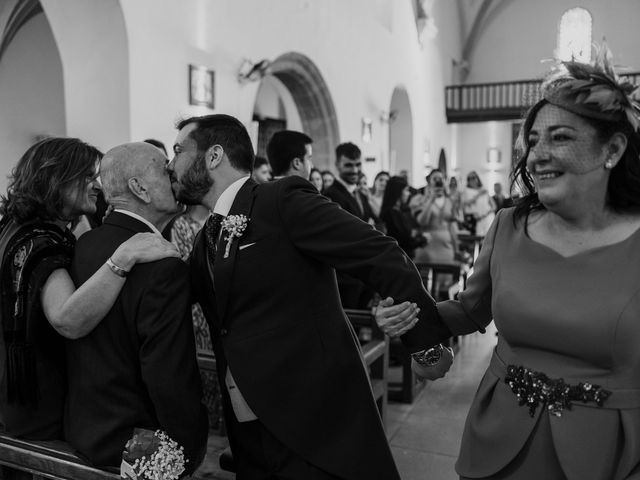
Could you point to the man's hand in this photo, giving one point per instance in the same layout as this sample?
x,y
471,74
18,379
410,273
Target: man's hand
x,y
433,372
394,320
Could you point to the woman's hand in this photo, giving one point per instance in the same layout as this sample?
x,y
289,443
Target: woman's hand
x,y
395,320
143,248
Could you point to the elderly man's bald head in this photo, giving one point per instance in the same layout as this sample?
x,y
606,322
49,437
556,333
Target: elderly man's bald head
x,y
124,162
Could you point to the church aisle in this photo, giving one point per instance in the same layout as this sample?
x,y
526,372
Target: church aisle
x,y
425,436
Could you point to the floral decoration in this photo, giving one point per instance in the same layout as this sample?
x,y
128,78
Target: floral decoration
x,y
152,455
234,226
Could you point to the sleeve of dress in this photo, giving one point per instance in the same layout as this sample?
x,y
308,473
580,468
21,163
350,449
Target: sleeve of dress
x,y
472,311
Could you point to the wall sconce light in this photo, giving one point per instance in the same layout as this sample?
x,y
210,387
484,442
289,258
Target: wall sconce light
x,y
252,72
367,130
388,117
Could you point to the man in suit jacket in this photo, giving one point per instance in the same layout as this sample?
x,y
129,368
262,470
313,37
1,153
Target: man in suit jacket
x,y
345,192
290,154
138,367
298,402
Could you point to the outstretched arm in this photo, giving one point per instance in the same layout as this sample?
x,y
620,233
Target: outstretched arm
x,y
74,313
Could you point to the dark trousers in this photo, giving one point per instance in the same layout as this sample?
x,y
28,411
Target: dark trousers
x,y
258,455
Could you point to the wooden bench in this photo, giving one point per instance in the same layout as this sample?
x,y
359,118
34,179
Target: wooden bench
x,y
375,351
26,460
410,384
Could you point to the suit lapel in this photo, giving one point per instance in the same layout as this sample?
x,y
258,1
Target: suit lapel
x,y
223,267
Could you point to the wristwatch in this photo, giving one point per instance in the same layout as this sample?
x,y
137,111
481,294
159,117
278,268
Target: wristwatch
x,y
430,357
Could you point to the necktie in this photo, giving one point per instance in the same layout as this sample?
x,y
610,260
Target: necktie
x,y
212,232
359,202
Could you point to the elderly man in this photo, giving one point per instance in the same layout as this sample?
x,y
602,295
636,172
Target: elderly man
x,y
138,367
297,398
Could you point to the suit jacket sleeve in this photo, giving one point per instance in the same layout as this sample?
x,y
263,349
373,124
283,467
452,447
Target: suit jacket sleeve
x,y
472,311
168,359
320,229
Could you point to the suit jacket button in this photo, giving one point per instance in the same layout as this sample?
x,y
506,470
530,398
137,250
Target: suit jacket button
x,y
223,332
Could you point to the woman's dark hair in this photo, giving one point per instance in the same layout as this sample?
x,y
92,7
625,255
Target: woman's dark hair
x,y
46,169
624,182
378,175
475,174
392,194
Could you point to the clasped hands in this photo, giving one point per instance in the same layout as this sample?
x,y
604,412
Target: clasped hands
x,y
396,320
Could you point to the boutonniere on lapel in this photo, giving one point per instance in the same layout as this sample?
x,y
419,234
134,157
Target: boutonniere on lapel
x,y
234,226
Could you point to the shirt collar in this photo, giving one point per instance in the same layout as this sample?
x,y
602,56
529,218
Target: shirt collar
x,y
350,188
138,217
225,201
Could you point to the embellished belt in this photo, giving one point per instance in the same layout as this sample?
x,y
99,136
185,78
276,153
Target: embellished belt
x,y
535,388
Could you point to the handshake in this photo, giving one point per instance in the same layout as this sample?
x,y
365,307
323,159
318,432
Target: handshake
x,y
395,320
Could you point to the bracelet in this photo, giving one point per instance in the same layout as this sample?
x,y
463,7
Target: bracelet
x,y
119,271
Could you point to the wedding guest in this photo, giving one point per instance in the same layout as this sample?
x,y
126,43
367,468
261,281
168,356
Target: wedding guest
x,y
290,153
298,402
499,200
456,198
327,179
345,192
261,170
138,368
52,185
559,275
315,177
183,232
436,217
377,191
478,205
399,223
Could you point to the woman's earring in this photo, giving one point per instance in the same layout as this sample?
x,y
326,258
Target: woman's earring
x,y
608,164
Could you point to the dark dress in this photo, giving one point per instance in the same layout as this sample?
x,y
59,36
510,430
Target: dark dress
x,y
573,318
32,371
400,225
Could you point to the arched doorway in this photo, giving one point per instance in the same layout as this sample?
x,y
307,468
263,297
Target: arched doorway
x,y
65,71
400,134
295,96
32,87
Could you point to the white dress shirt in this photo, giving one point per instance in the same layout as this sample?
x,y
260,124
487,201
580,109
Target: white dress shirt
x,y
240,406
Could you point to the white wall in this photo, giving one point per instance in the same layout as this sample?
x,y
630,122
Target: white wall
x,y
92,42
363,49
475,140
523,33
31,93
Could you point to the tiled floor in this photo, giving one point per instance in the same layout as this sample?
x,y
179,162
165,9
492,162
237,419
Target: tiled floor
x,y
424,436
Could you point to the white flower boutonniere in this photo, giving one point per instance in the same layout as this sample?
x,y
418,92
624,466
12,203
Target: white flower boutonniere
x,y
234,226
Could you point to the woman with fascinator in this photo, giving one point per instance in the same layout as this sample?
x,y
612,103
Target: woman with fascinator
x,y
559,273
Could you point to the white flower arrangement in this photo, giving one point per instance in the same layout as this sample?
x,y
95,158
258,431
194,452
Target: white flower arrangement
x,y
234,225
152,456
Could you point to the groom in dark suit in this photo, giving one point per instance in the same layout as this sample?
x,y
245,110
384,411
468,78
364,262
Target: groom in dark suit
x,y
297,398
138,367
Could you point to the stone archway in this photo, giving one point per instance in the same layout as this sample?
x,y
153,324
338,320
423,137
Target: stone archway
x,y
32,88
313,100
91,44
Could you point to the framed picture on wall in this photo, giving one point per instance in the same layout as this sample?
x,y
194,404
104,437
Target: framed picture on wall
x,y
201,86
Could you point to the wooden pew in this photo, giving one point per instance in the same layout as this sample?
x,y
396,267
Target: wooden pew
x,y
375,352
26,460
410,384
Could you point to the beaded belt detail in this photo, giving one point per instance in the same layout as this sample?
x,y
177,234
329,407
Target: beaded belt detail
x,y
535,388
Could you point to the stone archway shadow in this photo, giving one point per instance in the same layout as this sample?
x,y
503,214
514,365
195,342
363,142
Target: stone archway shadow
x,y
313,100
